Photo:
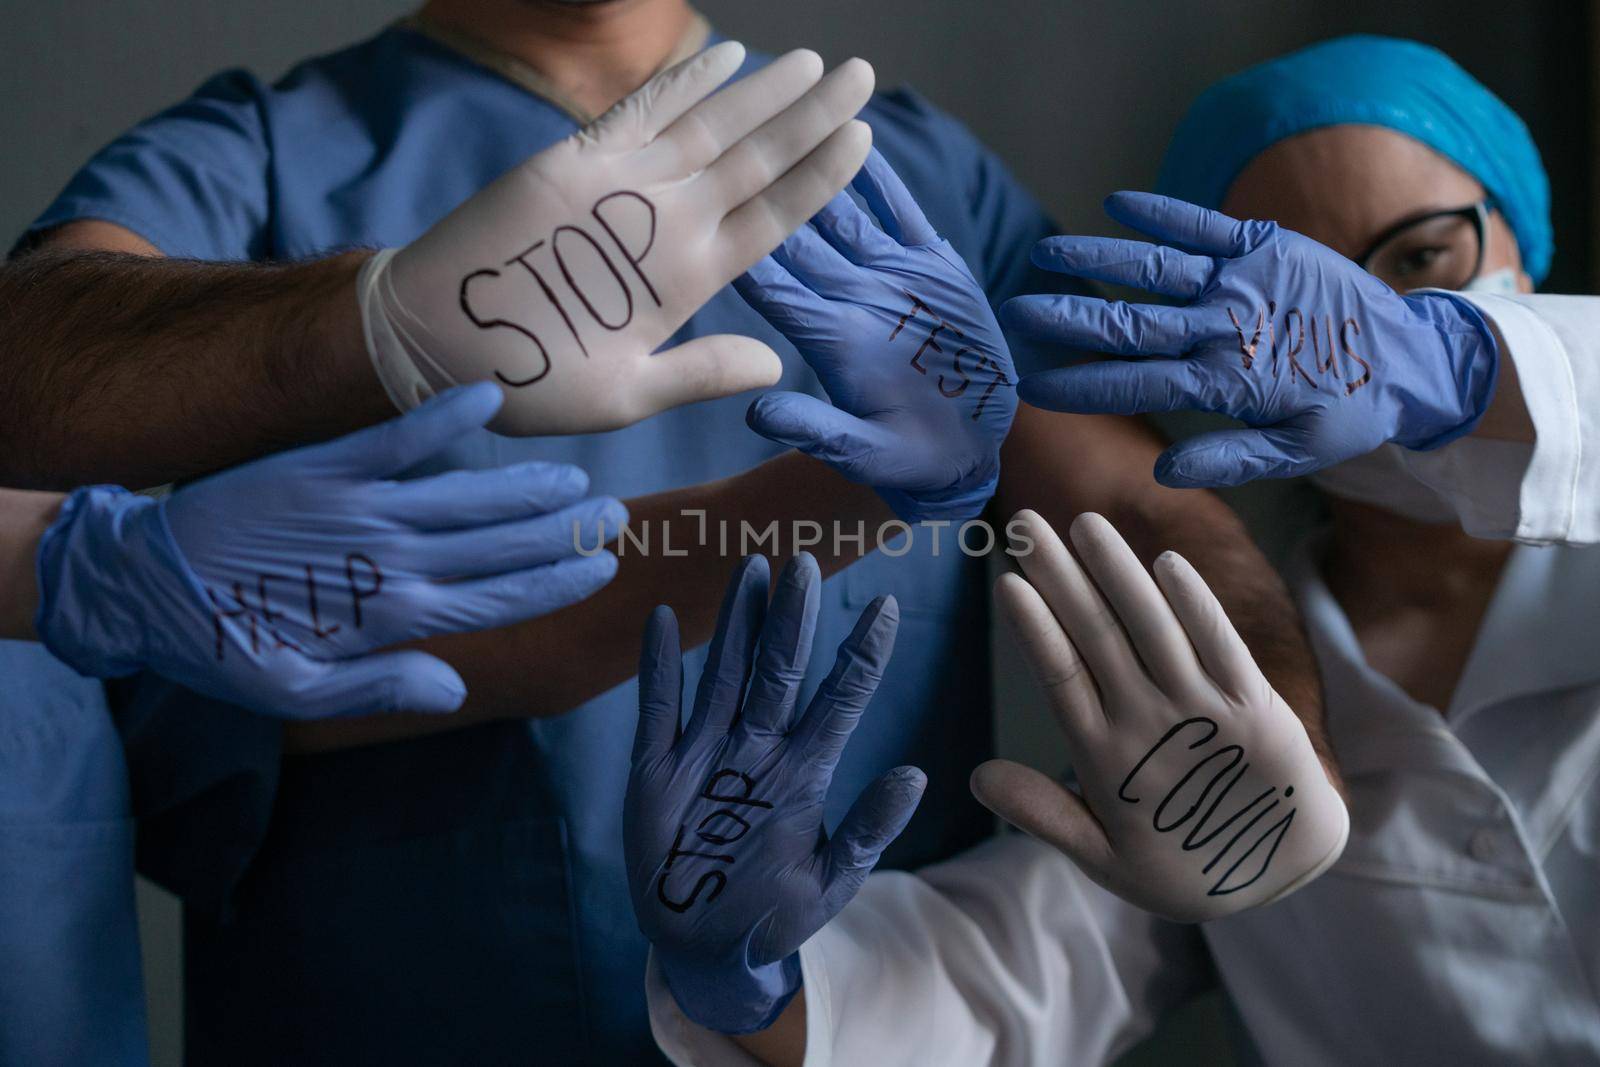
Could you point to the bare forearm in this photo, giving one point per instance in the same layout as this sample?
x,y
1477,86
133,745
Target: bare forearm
x,y
24,517
140,370
551,665
783,1044
1063,465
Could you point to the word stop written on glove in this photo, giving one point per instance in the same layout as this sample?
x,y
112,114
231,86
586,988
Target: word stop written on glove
x,y
561,279
729,865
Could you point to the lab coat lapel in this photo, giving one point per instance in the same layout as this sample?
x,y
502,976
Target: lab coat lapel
x,y
1539,634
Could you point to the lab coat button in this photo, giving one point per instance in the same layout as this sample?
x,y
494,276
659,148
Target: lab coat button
x,y
1485,844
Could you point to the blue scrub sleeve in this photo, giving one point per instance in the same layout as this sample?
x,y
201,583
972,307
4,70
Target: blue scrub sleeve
x,y
71,987
192,180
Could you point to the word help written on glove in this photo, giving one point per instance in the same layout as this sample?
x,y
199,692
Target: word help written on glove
x,y
274,584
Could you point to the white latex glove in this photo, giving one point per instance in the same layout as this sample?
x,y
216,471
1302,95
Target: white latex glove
x,y
561,278
1201,795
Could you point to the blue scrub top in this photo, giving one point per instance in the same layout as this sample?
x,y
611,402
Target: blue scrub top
x,y
71,990
462,897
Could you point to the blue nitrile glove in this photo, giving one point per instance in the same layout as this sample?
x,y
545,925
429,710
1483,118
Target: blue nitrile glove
x,y
268,585
903,339
1323,361
729,865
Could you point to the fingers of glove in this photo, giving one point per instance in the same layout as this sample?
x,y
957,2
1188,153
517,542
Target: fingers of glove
x,y
514,546
756,227
660,687
1113,326
896,209
713,126
767,154
504,599
1046,809
1157,635
777,296
815,262
1142,265
874,821
722,680
1088,620
843,695
637,118
381,682
820,430
1125,387
1188,226
393,447
785,648
851,232
1234,457
1057,666
465,498
1221,650
702,369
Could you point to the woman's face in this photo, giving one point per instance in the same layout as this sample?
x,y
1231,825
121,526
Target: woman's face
x,y
1346,186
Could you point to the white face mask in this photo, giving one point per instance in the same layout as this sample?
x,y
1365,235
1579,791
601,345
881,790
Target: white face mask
x,y
1502,282
1382,479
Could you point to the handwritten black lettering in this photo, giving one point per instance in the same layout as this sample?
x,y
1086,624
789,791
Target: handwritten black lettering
x,y
635,259
1207,775
1247,349
578,290
1345,329
357,593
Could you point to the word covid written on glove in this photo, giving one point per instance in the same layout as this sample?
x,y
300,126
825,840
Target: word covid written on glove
x,y
1248,833
568,282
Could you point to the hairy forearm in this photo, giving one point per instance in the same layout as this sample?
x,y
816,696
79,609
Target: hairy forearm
x,y
551,665
24,517
1063,465
141,370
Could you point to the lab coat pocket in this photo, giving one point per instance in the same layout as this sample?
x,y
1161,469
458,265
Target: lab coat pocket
x,y
454,947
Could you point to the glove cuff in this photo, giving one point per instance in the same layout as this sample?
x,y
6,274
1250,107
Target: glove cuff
x,y
1476,372
393,360
731,998
84,617
948,505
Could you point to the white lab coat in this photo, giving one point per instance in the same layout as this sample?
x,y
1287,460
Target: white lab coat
x,y
1462,923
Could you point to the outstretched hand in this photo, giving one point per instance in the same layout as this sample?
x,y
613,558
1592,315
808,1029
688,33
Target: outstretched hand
x,y
729,864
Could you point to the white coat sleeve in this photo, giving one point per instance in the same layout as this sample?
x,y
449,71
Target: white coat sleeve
x,y
1549,491
1004,955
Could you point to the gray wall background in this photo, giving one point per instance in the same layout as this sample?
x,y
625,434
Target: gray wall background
x,y
1078,97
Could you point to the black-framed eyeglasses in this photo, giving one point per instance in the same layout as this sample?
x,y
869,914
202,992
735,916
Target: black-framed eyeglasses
x,y
1436,250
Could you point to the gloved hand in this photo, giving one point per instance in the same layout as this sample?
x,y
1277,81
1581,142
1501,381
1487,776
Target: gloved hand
x,y
561,278
1323,361
729,865
1200,792
904,341
267,585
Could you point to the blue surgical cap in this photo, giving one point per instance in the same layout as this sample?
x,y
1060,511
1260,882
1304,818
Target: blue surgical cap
x,y
1371,81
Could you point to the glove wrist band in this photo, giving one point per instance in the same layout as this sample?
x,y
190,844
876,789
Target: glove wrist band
x,y
732,998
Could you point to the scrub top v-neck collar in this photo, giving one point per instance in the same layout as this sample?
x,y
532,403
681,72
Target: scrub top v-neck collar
x,y
524,75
